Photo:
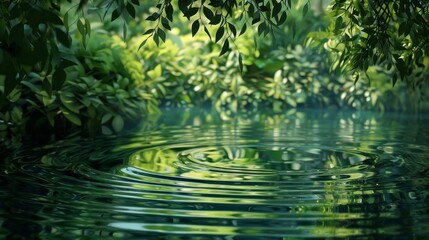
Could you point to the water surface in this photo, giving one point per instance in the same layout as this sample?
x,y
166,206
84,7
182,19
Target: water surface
x,y
297,175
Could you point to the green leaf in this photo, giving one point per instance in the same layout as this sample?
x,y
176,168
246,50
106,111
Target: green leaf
x,y
282,19
131,10
262,28
277,6
124,29
135,2
256,17
66,21
219,34
70,104
216,19
356,78
88,26
149,31
338,23
243,29
225,48
394,79
165,23
81,27
208,13
156,39
207,32
142,44
16,115
305,10
232,28
14,96
191,12
153,17
52,17
169,12
118,123
62,37
72,117
115,14
155,73
106,117
161,34
195,27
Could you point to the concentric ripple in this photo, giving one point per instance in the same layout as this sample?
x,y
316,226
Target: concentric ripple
x,y
314,176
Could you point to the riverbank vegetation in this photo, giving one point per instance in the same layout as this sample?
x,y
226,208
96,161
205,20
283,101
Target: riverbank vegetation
x,y
101,66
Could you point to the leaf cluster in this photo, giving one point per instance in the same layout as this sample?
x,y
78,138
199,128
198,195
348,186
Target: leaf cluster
x,y
392,34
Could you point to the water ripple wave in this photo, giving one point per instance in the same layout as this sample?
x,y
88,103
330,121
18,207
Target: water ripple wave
x,y
306,178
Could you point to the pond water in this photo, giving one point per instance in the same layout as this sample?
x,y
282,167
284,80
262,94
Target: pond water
x,y
197,174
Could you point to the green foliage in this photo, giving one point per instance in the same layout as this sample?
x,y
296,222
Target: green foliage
x,y
65,65
186,71
392,34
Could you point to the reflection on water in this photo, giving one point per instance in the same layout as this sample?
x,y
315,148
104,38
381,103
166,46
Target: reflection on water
x,y
309,174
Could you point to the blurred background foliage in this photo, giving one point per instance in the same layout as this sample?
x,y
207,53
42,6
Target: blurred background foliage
x,y
92,77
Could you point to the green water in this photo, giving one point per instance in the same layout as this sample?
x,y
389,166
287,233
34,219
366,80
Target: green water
x,y
201,175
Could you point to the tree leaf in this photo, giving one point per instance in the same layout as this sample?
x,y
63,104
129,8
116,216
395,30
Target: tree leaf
x,y
135,2
207,32
216,19
165,23
169,12
240,63
161,34
338,23
277,6
118,123
256,17
156,38
142,44
153,17
208,13
66,21
72,117
219,34
282,19
225,48
88,27
70,104
131,10
191,12
124,29
195,27
305,10
115,15
149,31
261,28
81,27
232,28
106,117
243,29
62,37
